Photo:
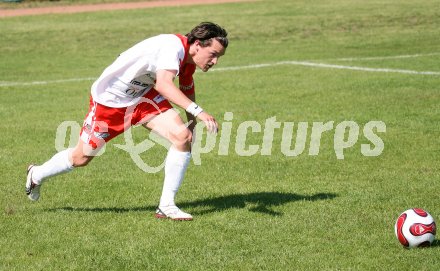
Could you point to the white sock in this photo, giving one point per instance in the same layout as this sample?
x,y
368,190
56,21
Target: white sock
x,y
175,168
59,163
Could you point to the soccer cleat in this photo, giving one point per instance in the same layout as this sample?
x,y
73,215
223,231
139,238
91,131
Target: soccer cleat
x,y
173,213
32,189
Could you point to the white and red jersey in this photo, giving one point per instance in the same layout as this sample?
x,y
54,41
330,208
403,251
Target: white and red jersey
x,y
133,73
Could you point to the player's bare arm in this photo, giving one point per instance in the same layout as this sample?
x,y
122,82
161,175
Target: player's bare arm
x,y
192,121
165,86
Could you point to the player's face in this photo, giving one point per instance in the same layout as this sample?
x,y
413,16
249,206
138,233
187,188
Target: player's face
x,y
206,57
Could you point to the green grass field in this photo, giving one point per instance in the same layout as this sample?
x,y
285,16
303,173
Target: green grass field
x,y
258,212
14,4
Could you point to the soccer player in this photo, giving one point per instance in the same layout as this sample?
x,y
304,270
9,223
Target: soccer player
x,y
137,88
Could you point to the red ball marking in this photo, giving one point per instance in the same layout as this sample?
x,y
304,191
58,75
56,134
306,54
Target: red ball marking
x,y
419,229
400,222
420,212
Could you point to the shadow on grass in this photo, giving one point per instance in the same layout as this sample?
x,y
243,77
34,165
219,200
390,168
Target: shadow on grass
x,y
261,202
436,243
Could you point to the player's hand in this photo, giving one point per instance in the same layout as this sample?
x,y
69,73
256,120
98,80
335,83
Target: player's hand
x,y
210,122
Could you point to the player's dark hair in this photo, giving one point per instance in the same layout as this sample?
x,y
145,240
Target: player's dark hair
x,y
207,31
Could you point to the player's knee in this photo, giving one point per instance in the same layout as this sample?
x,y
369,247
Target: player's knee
x,y
184,138
187,137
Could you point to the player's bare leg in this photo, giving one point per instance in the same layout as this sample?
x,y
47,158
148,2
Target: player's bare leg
x,y
170,126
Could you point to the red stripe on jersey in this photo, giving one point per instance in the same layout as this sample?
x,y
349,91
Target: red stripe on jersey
x,y
186,81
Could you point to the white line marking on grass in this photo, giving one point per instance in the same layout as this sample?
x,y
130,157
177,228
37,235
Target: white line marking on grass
x,y
34,83
257,66
385,57
330,66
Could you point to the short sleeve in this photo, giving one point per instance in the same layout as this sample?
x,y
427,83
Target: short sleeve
x,y
169,57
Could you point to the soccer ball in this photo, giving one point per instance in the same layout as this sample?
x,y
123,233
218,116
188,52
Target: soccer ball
x,y
415,228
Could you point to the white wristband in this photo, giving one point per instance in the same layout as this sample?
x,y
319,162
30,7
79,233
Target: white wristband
x,y
194,109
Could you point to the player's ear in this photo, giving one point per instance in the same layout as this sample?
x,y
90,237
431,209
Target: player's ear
x,y
197,44
201,43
